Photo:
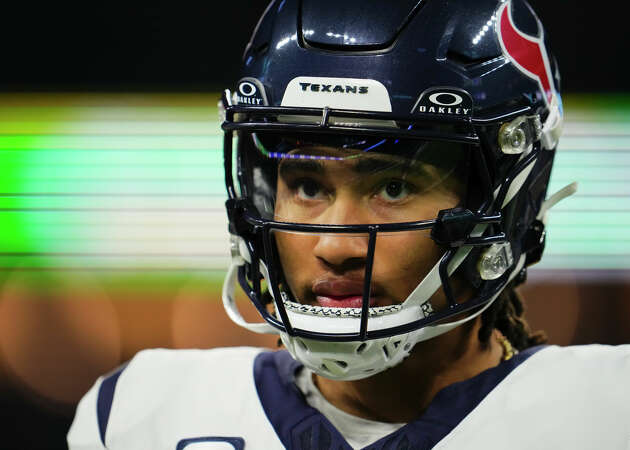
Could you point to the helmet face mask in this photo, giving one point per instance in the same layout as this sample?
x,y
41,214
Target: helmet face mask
x,y
360,229
281,169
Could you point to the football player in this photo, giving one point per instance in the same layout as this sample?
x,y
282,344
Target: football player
x,y
387,169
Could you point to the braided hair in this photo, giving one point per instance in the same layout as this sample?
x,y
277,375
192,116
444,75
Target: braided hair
x,y
506,315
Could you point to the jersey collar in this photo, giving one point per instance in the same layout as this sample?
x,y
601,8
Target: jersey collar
x,y
301,427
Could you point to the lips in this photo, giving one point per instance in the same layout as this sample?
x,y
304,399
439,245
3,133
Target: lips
x,y
351,301
340,293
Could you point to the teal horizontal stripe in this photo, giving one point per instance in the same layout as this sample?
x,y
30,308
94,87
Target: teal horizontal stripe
x,y
111,157
579,204
577,234
148,142
130,203
115,262
594,143
583,262
112,186
569,159
592,247
588,173
601,188
589,218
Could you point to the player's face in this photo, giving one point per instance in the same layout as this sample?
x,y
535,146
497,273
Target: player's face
x,y
328,269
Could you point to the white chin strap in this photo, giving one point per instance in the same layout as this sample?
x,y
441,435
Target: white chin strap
x,y
229,303
552,129
552,201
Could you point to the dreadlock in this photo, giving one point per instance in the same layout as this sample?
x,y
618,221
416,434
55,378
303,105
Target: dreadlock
x,y
506,315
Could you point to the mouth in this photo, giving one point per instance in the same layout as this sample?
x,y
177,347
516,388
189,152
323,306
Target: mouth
x,y
341,293
339,301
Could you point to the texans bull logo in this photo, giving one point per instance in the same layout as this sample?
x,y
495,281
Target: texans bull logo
x,y
527,53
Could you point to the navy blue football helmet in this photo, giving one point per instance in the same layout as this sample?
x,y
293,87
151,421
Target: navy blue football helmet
x,y
466,89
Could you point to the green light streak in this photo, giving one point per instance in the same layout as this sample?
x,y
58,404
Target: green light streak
x,y
91,174
85,143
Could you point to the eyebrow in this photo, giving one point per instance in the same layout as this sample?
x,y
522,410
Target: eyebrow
x,y
362,167
370,165
296,165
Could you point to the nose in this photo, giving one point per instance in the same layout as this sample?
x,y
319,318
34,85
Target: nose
x,y
342,251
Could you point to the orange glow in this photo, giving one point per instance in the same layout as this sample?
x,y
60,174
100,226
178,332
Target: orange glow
x,y
58,340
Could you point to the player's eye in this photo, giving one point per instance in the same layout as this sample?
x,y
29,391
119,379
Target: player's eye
x,y
308,189
394,191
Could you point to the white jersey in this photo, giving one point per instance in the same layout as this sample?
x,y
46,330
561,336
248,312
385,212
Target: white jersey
x,y
243,398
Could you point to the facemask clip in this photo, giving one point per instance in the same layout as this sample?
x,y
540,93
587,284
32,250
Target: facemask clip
x,y
495,261
518,136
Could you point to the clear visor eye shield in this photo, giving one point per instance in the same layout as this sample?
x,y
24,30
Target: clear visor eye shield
x,y
262,228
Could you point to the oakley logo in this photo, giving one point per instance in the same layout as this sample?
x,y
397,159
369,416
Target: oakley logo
x,y
250,92
347,89
247,89
445,99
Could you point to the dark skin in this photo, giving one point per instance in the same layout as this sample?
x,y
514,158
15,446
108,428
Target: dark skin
x,y
433,365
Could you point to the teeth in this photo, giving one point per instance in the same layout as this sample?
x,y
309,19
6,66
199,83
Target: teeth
x,y
340,312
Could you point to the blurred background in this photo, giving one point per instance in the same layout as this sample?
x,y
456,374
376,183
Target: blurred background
x,y
111,197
